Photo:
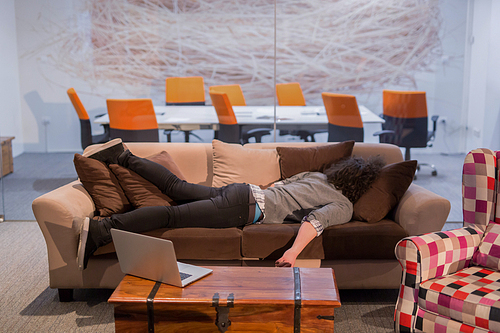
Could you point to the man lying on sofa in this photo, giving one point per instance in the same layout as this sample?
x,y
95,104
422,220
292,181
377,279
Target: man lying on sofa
x,y
316,199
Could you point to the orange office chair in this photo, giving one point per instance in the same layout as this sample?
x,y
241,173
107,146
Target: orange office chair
x,y
405,115
132,120
233,91
229,130
188,90
344,119
85,128
290,94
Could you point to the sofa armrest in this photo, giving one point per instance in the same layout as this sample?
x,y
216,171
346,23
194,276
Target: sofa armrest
x,y
436,254
421,211
59,214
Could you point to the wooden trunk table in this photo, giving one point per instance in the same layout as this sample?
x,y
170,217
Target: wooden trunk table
x,y
234,299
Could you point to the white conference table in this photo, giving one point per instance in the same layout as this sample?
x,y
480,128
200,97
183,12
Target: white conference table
x,y
187,118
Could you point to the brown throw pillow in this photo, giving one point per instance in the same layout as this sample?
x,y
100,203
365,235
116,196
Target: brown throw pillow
x,y
102,186
385,192
296,160
167,161
141,192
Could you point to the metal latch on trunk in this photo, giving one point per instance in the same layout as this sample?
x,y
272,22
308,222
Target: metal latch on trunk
x,y
222,319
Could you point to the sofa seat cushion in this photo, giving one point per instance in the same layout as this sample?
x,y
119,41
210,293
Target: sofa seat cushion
x,y
471,296
270,241
361,240
352,240
197,243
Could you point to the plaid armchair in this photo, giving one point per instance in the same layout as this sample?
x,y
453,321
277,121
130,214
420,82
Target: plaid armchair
x,y
442,290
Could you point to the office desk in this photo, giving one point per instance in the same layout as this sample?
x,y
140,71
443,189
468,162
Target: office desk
x,y
187,118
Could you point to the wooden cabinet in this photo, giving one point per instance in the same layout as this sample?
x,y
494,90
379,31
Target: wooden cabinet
x,y
7,160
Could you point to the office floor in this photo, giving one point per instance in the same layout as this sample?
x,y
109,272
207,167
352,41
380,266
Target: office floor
x,y
38,173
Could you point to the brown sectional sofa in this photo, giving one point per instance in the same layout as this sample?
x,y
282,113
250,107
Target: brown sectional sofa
x,y
362,254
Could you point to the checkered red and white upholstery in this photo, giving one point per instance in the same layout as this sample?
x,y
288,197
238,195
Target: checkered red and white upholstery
x,y
441,289
466,296
488,253
478,188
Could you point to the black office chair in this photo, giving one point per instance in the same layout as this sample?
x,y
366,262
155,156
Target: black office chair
x,y
86,136
229,130
405,115
344,119
132,120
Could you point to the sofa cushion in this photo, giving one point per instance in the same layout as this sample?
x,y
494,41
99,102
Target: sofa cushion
x,y
295,160
102,186
196,243
470,296
139,191
385,192
352,240
270,241
234,163
360,240
488,252
203,243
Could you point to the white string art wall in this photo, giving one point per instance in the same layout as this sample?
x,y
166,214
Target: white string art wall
x,y
343,45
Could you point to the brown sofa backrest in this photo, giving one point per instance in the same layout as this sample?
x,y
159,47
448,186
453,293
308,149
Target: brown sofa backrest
x,y
196,162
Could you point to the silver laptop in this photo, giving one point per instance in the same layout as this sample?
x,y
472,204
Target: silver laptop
x,y
154,259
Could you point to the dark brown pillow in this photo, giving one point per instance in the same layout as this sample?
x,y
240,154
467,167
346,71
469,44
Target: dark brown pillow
x,y
385,192
295,160
141,192
102,186
167,161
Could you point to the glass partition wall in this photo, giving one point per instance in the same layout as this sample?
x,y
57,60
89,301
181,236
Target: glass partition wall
x,y
126,49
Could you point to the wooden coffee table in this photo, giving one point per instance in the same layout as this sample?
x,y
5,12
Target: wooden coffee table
x,y
251,299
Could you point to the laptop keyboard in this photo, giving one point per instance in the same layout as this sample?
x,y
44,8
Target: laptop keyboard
x,y
184,275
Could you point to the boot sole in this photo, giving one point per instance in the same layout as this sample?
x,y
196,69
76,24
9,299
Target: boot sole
x,y
93,150
84,234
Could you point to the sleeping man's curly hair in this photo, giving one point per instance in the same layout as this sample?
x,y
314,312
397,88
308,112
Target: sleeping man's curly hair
x,y
353,176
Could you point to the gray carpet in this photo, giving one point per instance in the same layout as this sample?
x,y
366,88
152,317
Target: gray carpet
x,y
29,305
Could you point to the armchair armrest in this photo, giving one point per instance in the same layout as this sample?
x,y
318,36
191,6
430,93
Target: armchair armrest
x,y
426,257
59,214
421,211
436,254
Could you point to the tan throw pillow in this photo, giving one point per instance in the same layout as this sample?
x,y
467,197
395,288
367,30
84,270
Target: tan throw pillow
x,y
385,192
295,160
139,191
234,163
102,186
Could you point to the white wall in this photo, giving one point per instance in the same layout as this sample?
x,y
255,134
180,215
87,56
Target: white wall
x,y
10,110
50,123
482,114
